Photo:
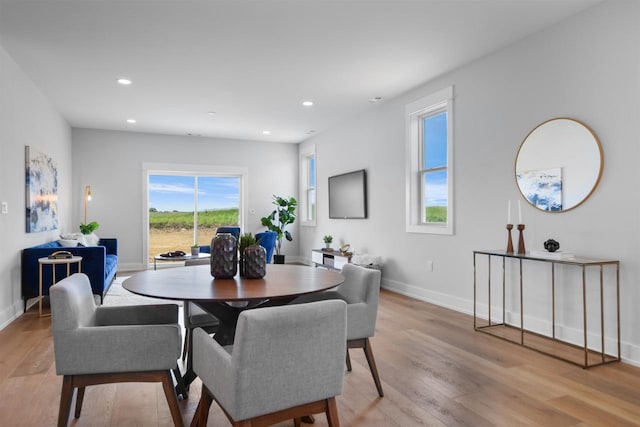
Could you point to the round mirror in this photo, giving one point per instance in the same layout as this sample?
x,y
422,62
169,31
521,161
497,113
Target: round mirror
x,y
559,164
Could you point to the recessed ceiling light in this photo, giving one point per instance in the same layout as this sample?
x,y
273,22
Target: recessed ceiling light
x,y
266,132
376,99
124,81
211,113
131,120
307,103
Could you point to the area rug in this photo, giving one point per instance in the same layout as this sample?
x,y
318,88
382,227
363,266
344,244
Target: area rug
x,y
117,296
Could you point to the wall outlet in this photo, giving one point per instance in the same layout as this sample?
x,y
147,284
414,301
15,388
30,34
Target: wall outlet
x,y
5,207
429,265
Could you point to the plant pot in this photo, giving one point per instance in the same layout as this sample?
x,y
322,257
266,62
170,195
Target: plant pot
x,y
195,251
278,259
224,256
255,262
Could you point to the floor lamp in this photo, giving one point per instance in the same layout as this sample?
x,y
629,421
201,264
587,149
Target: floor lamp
x,y
87,197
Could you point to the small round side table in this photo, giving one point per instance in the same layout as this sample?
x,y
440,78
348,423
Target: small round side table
x,y
53,262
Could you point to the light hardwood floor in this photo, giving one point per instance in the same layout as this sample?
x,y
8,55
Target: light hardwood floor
x,y
434,368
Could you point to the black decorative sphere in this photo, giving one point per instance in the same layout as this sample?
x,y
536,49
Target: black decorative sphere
x,y
551,245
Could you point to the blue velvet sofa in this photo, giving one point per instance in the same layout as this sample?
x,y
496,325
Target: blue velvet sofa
x,y
100,263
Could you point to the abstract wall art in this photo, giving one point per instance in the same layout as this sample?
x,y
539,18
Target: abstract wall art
x,y
543,188
41,190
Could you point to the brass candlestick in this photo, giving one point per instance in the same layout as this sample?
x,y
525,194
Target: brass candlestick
x,y
509,240
521,250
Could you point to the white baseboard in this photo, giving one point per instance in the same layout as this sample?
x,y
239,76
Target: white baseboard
x,y
437,298
11,313
629,353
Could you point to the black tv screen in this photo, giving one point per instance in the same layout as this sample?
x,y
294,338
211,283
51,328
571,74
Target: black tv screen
x,y
348,195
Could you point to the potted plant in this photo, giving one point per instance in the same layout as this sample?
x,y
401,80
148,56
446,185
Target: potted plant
x,y
88,228
277,221
88,236
327,241
195,249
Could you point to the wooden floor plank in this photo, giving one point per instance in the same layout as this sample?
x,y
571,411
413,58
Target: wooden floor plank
x,y
591,415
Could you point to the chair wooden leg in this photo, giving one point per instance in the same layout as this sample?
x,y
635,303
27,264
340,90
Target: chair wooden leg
x,y
172,399
332,413
348,361
79,399
368,352
184,346
297,422
201,416
181,388
66,395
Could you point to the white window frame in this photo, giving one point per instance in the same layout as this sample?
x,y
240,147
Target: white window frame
x,y
303,206
441,101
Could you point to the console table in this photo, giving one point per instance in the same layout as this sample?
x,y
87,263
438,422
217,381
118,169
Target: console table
x,y
551,345
330,259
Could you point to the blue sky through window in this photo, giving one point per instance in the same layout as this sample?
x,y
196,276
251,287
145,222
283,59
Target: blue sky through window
x,y
435,155
435,141
312,171
435,189
173,192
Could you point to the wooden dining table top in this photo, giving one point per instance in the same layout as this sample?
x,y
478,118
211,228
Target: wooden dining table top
x,y
195,283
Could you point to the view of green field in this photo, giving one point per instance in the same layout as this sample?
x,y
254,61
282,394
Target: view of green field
x,y
436,214
172,231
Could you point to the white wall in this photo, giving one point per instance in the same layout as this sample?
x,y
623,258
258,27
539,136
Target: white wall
x,y
587,68
26,118
112,163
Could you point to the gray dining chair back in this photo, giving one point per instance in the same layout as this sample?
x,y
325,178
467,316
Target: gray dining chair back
x,y
286,362
99,345
361,291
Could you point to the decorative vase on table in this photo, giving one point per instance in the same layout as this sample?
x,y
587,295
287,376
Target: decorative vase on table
x,y
255,262
224,256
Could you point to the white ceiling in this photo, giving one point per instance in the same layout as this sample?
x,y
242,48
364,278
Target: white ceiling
x,y
252,62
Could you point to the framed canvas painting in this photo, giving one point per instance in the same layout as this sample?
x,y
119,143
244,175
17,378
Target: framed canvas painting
x,y
41,190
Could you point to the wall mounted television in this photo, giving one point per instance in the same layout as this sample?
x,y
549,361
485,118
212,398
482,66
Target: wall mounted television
x,y
348,195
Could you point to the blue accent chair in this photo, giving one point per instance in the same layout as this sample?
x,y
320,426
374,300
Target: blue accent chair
x,y
267,239
235,231
231,230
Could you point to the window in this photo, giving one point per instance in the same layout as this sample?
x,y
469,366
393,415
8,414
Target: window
x,y
429,164
308,186
185,205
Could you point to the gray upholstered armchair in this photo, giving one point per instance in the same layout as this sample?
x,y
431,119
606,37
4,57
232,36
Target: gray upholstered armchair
x,y
286,362
361,291
99,345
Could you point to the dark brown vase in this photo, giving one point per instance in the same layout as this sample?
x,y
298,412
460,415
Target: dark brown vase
x,y
255,262
278,259
224,256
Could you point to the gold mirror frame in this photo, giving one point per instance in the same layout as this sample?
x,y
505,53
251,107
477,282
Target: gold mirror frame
x,y
559,165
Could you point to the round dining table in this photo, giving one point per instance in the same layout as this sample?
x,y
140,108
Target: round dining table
x,y
227,298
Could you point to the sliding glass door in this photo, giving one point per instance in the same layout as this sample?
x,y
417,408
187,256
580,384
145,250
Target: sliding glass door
x,y
186,208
